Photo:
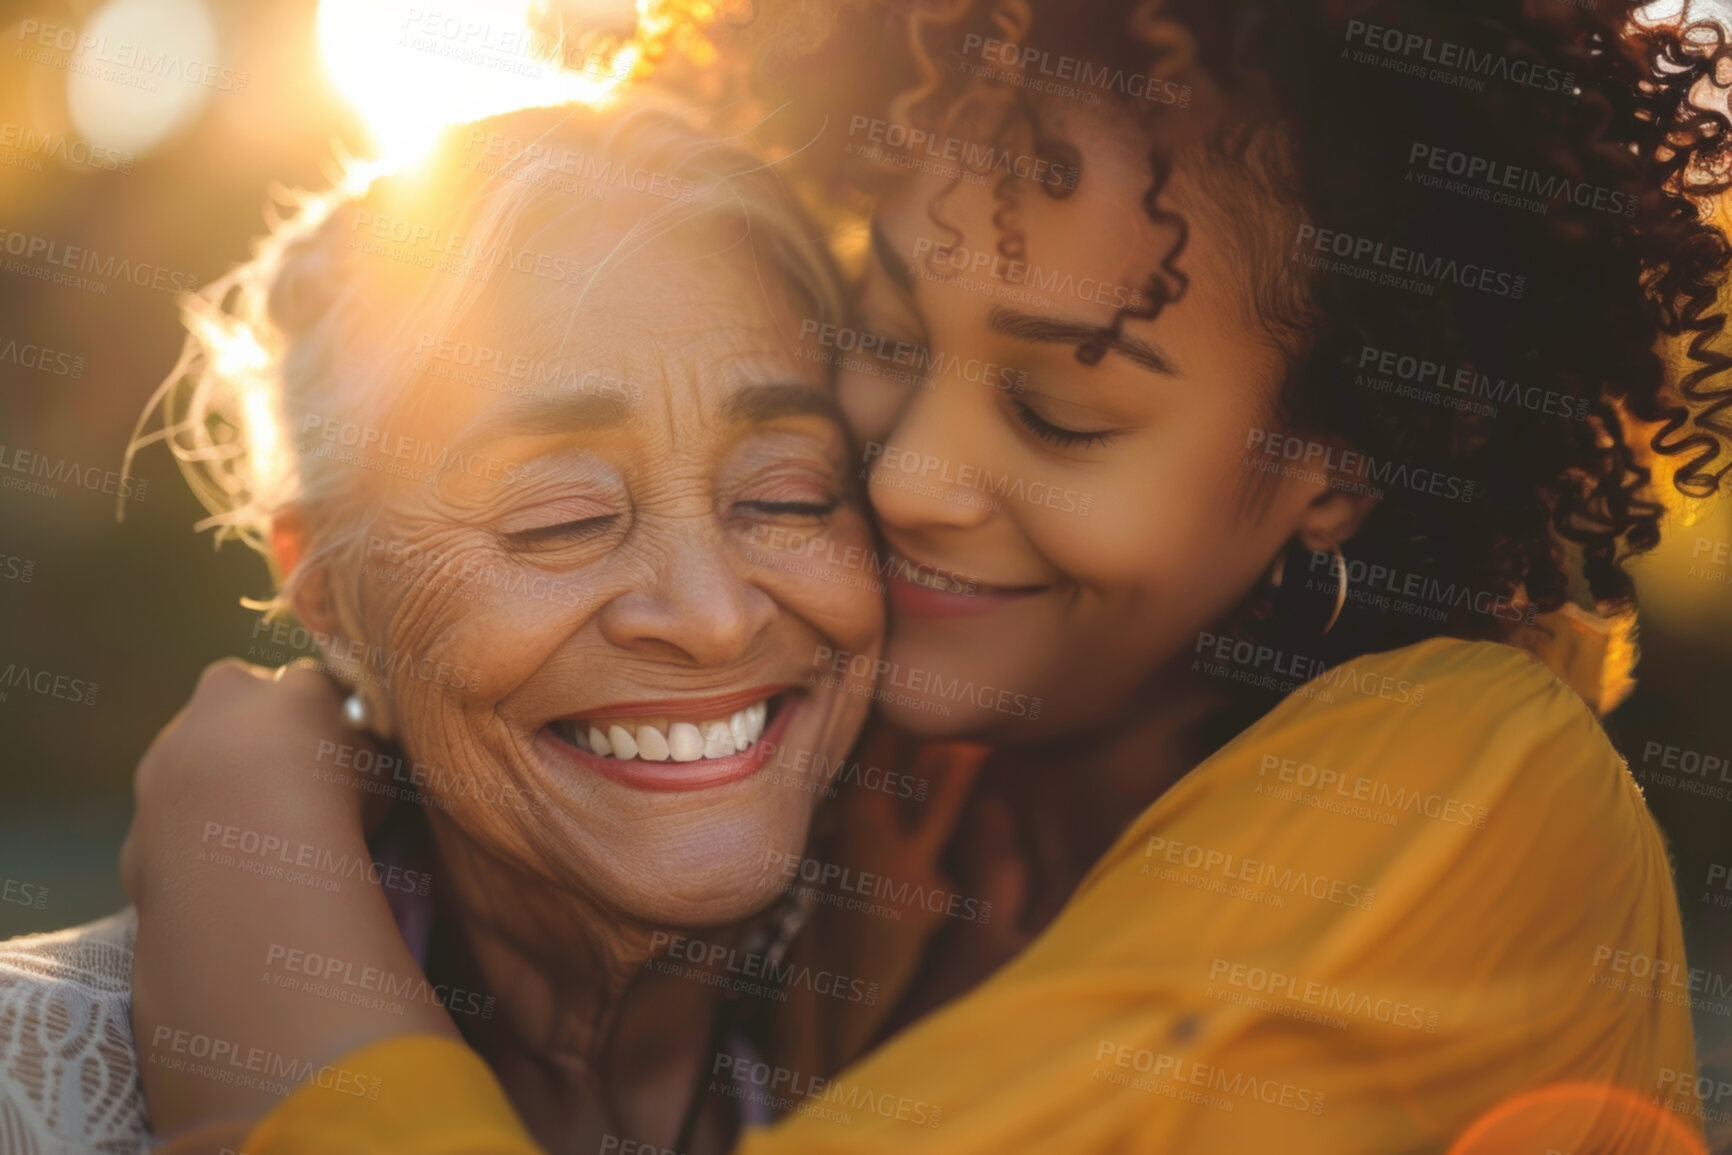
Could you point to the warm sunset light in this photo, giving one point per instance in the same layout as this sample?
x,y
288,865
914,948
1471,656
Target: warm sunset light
x,y
410,70
759,577
160,41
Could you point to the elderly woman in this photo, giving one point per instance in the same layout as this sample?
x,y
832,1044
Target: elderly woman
x,y
507,438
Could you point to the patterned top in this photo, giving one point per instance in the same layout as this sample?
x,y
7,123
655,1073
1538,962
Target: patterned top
x,y
68,1067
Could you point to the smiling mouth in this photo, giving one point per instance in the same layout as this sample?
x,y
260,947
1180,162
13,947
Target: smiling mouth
x,y
666,738
933,578
925,576
659,740
678,746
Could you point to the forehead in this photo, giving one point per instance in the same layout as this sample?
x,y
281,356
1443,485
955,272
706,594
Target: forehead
x,y
696,277
639,309
695,320
1084,253
1098,225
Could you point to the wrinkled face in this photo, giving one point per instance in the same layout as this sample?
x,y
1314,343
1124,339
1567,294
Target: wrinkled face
x,y
614,679
1067,530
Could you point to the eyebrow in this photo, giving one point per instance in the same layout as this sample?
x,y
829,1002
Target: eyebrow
x,y
587,412
757,404
900,273
1055,331
561,414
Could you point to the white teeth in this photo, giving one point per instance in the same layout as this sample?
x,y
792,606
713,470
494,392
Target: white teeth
x,y
748,725
718,740
653,740
652,744
685,744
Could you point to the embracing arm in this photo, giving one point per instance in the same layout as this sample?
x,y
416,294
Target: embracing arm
x,y
436,1095
230,862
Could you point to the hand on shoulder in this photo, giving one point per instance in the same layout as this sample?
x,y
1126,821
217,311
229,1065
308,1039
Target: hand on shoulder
x,y
249,742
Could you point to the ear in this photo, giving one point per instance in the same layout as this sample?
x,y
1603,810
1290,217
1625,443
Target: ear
x,y
1333,516
310,596
313,597
288,541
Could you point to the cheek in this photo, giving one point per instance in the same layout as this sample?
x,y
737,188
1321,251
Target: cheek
x,y
1142,519
833,580
871,404
463,626
509,624
1171,521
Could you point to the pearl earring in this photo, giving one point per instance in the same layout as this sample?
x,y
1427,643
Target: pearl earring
x,y
356,713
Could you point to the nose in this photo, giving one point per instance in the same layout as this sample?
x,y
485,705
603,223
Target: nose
x,y
920,478
697,610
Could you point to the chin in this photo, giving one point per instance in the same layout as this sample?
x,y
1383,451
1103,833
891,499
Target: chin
x,y
935,726
929,693
710,875
705,906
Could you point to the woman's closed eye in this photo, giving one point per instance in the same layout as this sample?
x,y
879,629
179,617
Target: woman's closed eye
x,y
803,509
560,518
1058,435
581,529
808,508
784,479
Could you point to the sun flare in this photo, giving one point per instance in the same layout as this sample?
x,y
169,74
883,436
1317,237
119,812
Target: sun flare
x,y
410,71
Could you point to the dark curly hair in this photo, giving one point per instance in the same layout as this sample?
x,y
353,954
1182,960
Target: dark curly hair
x,y
1553,162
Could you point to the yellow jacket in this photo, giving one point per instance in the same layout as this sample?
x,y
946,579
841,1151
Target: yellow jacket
x,y
1419,907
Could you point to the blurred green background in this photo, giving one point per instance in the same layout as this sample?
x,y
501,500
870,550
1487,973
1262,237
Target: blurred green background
x,y
137,607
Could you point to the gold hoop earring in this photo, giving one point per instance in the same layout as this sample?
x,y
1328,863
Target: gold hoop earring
x,y
1340,567
1340,589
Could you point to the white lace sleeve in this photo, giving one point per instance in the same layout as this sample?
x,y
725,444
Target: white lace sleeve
x,y
68,1067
